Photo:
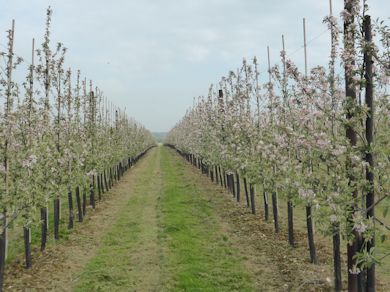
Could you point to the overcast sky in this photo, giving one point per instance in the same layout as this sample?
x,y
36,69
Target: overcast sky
x,y
154,56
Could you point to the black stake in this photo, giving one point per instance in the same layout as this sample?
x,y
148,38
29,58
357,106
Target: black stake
x,y
275,211
71,214
57,218
266,205
252,194
27,246
310,235
369,157
290,214
79,207
238,192
44,218
246,192
84,201
336,258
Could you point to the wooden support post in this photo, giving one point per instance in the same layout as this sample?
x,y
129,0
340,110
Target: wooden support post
x,y
369,157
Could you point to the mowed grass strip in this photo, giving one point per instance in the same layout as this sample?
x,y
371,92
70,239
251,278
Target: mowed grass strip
x,y
199,255
128,256
167,238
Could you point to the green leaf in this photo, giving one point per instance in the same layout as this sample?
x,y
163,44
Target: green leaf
x,y
385,210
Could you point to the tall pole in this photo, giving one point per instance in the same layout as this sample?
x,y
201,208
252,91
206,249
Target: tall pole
x,y
284,59
284,86
7,112
369,100
269,65
31,89
332,70
350,98
304,44
336,225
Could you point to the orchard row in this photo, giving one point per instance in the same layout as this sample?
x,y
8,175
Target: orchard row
x,y
313,138
61,140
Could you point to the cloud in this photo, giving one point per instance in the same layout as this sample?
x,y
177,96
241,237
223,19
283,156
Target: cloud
x,y
197,53
154,56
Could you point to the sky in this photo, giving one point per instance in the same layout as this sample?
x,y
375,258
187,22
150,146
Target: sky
x,y
153,57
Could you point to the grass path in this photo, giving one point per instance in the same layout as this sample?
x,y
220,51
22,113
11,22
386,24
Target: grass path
x,y
129,255
166,238
200,255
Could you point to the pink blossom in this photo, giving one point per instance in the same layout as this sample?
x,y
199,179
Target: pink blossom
x,y
91,173
30,161
360,226
355,270
322,143
306,194
333,218
345,14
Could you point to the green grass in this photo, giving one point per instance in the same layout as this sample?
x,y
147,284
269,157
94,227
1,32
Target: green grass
x,y
167,238
383,248
200,257
114,265
108,269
